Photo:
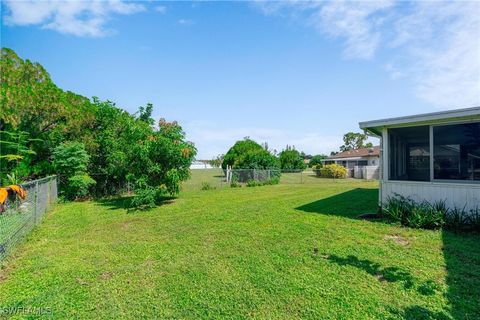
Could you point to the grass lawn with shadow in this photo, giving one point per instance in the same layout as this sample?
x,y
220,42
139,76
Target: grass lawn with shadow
x,y
286,251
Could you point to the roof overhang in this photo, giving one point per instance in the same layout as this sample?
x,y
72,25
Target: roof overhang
x,y
345,159
375,127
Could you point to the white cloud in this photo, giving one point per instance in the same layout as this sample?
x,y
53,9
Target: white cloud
x,y
434,44
358,22
79,18
185,22
160,9
443,40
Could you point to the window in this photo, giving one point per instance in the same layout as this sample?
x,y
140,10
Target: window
x,y
409,153
456,152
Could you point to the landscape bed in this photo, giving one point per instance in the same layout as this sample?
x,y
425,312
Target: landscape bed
x,y
292,250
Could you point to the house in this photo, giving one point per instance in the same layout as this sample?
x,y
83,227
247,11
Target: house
x,y
432,157
361,163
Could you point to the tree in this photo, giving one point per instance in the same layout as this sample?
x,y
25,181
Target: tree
x,y
317,159
291,159
145,114
120,146
354,140
248,154
15,154
70,160
217,162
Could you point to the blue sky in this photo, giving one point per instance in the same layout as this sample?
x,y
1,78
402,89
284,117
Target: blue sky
x,y
297,73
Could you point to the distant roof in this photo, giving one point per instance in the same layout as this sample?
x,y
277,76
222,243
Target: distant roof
x,y
426,118
362,152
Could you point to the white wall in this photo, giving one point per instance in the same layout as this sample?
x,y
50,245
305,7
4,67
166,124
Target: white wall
x,y
455,195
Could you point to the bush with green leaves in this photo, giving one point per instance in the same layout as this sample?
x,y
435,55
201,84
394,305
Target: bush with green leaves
x,y
413,214
116,147
334,171
258,183
79,186
248,154
428,215
458,219
316,160
70,158
290,159
145,198
207,186
316,168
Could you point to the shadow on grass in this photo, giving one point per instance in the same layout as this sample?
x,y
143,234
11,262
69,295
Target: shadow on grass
x,y
349,204
388,274
418,313
118,203
461,252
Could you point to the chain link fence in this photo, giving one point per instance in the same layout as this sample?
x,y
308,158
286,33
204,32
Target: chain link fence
x,y
217,178
22,215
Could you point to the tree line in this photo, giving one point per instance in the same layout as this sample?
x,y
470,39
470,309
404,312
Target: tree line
x,y
94,146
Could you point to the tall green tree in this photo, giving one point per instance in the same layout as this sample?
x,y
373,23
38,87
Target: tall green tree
x,y
121,147
354,140
248,154
317,159
291,159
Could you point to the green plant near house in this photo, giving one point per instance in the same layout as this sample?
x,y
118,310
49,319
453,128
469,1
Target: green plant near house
x,y
434,215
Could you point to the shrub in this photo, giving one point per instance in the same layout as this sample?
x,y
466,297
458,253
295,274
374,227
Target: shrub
x,y
235,184
258,183
316,168
463,220
290,159
247,154
473,220
416,215
79,186
144,198
207,186
434,215
70,158
335,171
316,160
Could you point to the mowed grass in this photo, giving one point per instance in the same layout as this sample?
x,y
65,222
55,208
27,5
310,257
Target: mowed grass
x,y
287,251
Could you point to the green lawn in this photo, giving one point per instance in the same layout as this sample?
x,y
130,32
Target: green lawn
x,y
287,251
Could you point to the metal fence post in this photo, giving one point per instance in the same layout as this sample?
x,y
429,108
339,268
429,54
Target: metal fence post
x,y
35,207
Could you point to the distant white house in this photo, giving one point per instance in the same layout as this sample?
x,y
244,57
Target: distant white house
x,y
200,164
431,157
361,163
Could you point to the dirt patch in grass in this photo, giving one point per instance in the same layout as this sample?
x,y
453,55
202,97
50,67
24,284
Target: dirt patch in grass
x,y
397,239
105,276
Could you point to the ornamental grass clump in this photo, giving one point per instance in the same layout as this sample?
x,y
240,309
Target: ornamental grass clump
x,y
426,215
413,214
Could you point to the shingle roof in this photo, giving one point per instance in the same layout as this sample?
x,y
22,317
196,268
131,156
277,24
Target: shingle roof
x,y
362,152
